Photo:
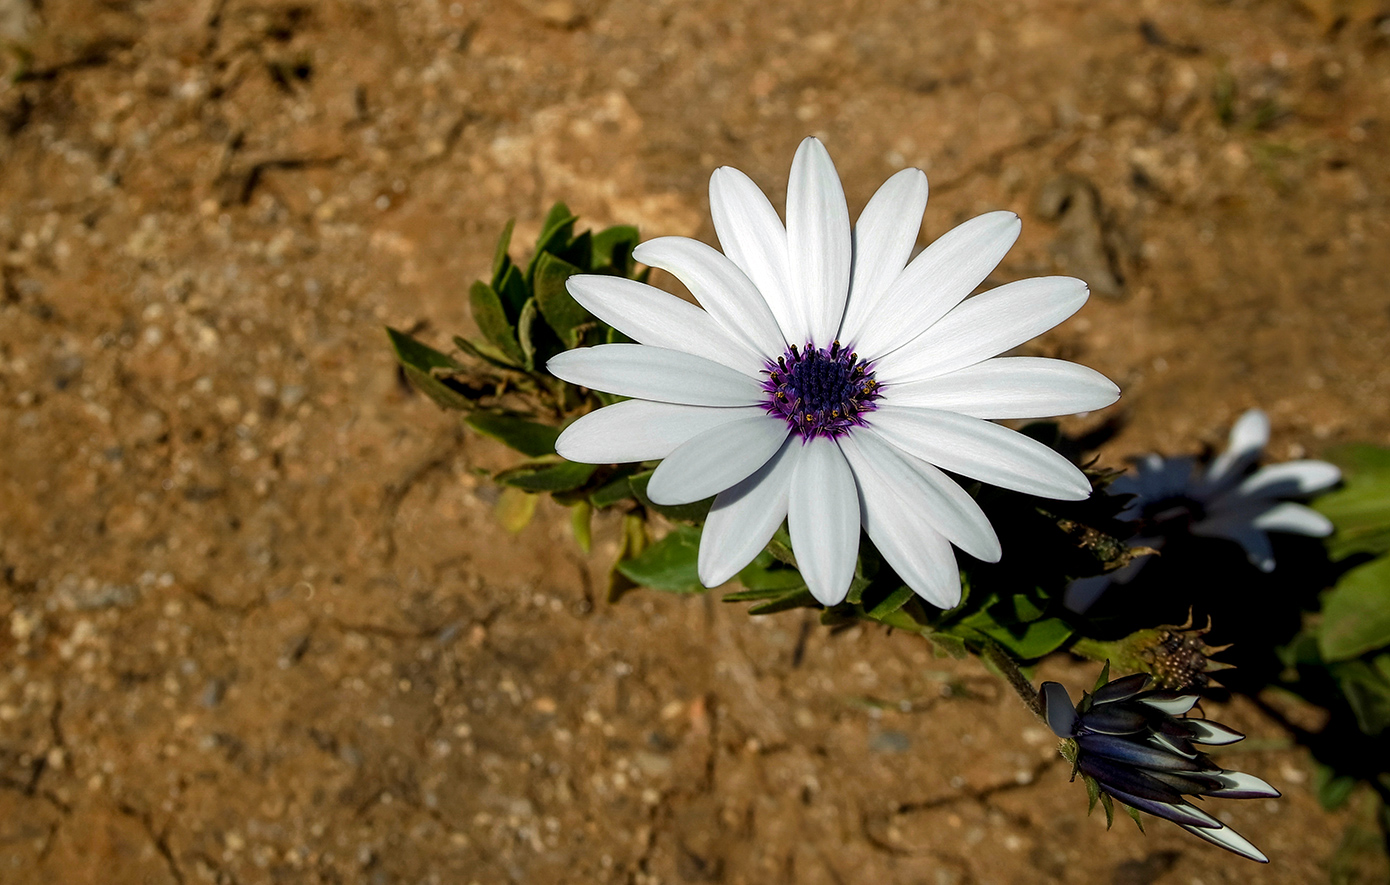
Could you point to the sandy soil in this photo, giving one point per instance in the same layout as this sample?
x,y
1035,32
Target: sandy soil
x,y
261,623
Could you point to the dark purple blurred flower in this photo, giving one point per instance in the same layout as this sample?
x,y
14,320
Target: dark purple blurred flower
x,y
1137,746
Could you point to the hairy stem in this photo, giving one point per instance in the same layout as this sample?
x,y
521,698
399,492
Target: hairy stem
x,y
1008,668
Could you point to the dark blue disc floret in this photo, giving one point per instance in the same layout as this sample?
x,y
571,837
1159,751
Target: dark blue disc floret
x,y
820,391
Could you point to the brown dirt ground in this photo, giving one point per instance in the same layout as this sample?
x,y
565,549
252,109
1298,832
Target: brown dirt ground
x,y
261,623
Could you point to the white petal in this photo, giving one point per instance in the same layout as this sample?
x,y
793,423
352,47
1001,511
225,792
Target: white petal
x,y
1239,785
1174,706
1290,479
818,240
720,286
1213,733
752,236
1010,387
648,315
921,555
1235,526
638,430
1229,839
1249,436
1082,593
923,493
823,517
746,515
982,451
1296,520
656,373
1058,709
936,281
708,464
988,324
883,239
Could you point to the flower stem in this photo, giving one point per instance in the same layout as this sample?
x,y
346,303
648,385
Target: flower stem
x,y
1008,668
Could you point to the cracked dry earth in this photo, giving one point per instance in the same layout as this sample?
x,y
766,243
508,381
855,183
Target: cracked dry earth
x,y
260,624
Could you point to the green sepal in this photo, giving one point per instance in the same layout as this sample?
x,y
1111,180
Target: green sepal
x,y
696,511
670,564
547,474
1109,805
492,321
527,437
1092,792
565,315
1356,612
1134,816
500,259
1104,678
420,362
581,521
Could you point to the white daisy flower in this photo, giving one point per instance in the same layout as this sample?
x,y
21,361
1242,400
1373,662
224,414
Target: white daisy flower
x,y
1224,499
828,381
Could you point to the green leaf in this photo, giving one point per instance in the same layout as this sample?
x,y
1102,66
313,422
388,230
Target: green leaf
x,y
419,361
515,508
1103,679
481,350
754,595
1332,789
613,248
1360,509
669,564
548,474
578,252
557,305
693,512
527,437
1356,612
946,644
611,493
525,334
896,600
556,232
1367,690
766,573
500,260
513,293
581,521
794,599
1030,641
492,321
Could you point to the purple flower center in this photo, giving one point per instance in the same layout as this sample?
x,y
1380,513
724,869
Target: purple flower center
x,y
820,391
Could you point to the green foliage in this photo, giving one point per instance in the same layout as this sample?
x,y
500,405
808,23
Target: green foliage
x,y
429,370
1356,613
550,473
670,564
527,437
1360,509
